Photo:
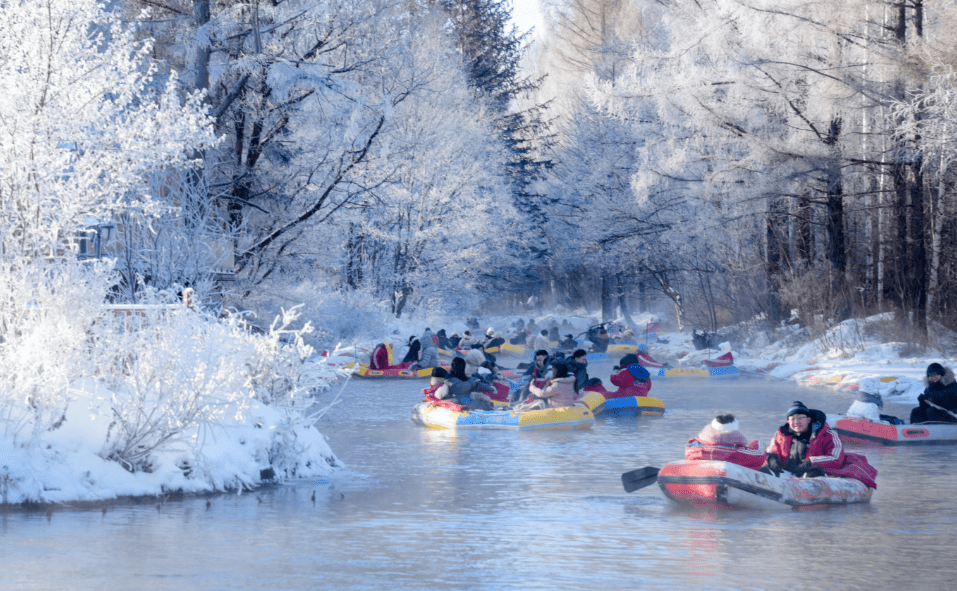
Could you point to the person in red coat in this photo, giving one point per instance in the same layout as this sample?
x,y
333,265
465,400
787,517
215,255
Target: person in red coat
x,y
806,446
630,382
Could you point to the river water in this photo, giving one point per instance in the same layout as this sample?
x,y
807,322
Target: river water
x,y
424,509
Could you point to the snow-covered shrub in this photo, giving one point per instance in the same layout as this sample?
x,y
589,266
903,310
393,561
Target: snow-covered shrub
x,y
188,376
47,312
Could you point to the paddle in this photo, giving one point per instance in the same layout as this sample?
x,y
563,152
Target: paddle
x,y
639,478
929,403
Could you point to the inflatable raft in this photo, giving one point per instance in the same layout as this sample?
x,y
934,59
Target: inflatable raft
x,y
696,372
857,430
508,349
599,404
448,417
724,485
364,371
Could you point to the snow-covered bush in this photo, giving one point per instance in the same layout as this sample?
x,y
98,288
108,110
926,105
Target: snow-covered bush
x,y
187,401
46,317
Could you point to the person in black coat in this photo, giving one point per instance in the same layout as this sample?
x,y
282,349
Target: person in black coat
x,y
578,367
569,344
941,391
443,340
414,347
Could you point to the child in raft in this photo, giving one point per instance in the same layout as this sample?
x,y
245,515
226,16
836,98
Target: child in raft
x,y
721,441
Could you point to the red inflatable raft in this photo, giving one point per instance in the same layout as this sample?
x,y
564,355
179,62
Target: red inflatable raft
x,y
724,485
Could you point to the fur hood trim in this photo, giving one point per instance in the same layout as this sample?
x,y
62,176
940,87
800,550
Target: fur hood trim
x,y
947,380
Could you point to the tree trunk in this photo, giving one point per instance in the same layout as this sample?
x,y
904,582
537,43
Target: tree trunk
x,y
776,245
623,304
836,243
607,301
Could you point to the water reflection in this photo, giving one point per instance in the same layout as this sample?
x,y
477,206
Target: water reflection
x,y
427,509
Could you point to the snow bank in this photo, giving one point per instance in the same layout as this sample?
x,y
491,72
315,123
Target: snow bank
x,y
182,403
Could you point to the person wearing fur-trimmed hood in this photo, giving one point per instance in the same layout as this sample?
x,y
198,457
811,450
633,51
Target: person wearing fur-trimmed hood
x,y
721,440
940,391
806,446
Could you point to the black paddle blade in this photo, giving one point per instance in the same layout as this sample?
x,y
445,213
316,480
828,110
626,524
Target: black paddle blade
x,y
639,478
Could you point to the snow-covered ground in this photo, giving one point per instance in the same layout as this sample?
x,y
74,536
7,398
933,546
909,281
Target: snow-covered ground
x,y
70,462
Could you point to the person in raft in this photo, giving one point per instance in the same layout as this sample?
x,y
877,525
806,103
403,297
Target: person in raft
x,y
631,382
806,446
558,389
578,367
467,340
429,356
535,371
463,389
940,391
569,343
541,340
413,353
721,441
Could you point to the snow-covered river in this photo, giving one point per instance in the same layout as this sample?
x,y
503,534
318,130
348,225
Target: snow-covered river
x,y
423,509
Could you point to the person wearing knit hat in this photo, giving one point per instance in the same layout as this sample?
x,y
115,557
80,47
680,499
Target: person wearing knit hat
x,y
803,443
720,440
798,408
938,403
806,446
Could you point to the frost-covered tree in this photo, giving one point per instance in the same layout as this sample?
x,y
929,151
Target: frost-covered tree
x,y
83,126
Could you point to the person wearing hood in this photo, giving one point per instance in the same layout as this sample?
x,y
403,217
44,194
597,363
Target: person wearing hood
x,y
720,440
467,340
806,446
632,379
414,347
430,354
938,403
492,339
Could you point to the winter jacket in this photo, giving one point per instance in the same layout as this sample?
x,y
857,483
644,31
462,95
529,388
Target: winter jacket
x,y
459,389
825,451
473,361
413,354
569,344
724,443
535,372
628,385
540,342
555,391
580,371
428,338
430,357
942,393
467,341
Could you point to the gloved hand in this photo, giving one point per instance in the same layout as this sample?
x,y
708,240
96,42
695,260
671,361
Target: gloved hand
x,y
802,468
773,463
922,399
814,472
